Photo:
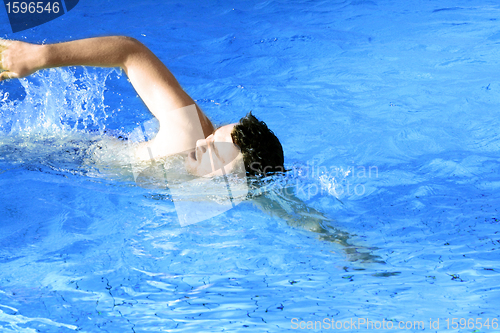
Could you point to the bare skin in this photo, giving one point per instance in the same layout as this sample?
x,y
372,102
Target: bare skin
x,y
183,125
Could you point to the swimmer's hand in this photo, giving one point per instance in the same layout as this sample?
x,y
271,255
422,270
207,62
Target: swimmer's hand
x,y
19,59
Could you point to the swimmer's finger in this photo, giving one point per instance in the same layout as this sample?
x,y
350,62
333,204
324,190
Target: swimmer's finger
x,y
3,46
4,43
8,75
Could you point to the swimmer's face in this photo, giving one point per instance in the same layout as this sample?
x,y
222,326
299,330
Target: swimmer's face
x,y
215,152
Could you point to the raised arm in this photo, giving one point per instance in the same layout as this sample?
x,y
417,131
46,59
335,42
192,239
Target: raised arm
x,y
152,80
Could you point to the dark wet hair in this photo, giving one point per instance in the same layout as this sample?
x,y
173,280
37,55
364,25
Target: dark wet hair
x,y
261,149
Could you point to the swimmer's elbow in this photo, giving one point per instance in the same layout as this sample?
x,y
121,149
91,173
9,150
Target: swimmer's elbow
x,y
134,53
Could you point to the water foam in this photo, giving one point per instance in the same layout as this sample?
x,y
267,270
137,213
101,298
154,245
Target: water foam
x,y
56,118
58,101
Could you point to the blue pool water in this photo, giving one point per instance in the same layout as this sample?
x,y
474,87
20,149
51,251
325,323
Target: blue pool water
x,y
388,115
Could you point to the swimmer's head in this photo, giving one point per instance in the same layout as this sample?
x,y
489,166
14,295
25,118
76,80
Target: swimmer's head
x,y
246,148
260,148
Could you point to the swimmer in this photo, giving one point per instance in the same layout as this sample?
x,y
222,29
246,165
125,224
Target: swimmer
x,y
183,125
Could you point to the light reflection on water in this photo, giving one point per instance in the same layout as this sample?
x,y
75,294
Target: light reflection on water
x,y
410,91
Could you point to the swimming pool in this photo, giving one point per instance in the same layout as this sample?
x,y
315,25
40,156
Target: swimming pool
x,y
387,113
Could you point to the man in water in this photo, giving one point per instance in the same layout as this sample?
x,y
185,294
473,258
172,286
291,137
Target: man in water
x,y
183,125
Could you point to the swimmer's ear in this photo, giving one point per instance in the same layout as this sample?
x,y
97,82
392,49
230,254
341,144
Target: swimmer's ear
x,y
8,75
